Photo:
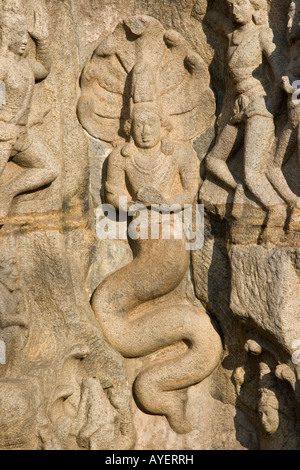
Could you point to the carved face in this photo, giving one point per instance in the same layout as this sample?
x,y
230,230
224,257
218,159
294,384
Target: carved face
x,y
17,39
268,411
293,25
9,275
146,127
269,418
241,11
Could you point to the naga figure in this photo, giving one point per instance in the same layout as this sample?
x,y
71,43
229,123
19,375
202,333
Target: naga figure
x,y
249,117
19,73
142,308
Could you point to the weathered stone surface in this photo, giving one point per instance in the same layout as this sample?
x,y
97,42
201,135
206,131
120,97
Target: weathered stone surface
x,y
116,334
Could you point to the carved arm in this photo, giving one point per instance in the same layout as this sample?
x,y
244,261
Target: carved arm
x,y
190,178
276,60
39,33
115,185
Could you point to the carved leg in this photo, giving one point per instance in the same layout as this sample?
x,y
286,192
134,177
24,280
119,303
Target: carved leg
x,y
5,153
40,170
285,148
259,137
216,161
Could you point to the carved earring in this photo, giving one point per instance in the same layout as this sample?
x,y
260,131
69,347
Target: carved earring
x,y
167,147
127,127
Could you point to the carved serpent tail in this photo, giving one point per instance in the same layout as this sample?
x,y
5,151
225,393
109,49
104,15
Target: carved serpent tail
x,y
161,388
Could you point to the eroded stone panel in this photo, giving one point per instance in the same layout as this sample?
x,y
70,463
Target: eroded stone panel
x,y
118,330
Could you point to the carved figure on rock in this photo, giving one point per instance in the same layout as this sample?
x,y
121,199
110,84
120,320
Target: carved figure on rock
x,y
273,384
252,107
19,74
18,410
18,405
268,404
175,74
149,171
139,306
150,177
80,412
9,289
289,137
98,431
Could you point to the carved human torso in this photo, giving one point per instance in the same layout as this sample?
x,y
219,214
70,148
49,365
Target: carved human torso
x,y
9,304
171,173
160,172
19,85
244,59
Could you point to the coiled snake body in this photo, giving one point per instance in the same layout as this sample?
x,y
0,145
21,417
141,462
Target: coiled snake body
x,y
158,268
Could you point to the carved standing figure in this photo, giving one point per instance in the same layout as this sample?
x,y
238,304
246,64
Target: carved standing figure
x,y
9,289
19,74
142,308
252,109
289,137
17,399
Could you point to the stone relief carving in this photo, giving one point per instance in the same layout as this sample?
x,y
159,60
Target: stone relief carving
x,y
252,106
259,248
288,140
159,103
64,408
18,74
55,392
155,164
16,401
10,289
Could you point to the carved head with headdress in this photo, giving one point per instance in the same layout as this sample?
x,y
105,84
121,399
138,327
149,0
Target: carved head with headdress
x,y
268,404
155,71
147,126
268,408
245,11
14,29
293,25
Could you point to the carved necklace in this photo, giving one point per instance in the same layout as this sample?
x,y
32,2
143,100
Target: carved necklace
x,y
159,158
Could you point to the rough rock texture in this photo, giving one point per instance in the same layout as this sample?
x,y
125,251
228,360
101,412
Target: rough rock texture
x,y
116,340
